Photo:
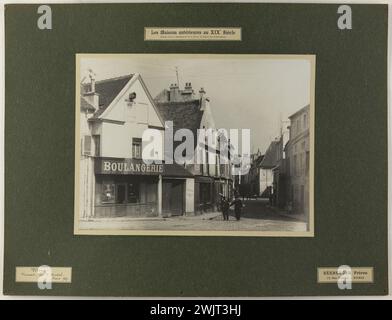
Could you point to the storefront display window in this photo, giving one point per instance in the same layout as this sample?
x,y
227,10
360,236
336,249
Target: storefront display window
x,y
108,193
124,190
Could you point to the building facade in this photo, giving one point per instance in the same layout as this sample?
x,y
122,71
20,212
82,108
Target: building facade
x,y
186,109
114,180
267,165
297,162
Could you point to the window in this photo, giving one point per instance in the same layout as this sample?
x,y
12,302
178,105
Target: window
x,y
136,148
108,193
305,121
217,173
307,163
298,125
295,165
97,145
86,145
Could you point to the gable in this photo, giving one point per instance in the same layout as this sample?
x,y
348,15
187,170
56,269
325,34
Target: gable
x,y
141,110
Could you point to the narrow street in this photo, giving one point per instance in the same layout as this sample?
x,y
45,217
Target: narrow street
x,y
256,216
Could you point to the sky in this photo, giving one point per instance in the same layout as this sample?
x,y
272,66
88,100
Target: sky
x,y
255,92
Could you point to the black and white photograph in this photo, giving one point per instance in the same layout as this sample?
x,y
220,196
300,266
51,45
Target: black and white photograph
x,y
186,144
192,151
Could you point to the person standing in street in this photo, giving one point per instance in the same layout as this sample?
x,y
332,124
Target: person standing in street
x,y
225,208
237,203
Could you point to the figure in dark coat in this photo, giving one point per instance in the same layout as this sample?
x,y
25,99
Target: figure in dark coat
x,y
225,208
237,203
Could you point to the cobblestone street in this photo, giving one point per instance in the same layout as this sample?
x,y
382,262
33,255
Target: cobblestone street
x,y
256,216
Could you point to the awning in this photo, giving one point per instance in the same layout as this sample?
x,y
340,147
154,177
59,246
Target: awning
x,y
202,179
175,170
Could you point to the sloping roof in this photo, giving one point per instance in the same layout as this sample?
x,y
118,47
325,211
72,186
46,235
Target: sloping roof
x,y
259,160
270,158
85,105
107,89
185,115
300,111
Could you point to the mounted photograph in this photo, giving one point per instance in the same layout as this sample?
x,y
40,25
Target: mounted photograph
x,y
194,144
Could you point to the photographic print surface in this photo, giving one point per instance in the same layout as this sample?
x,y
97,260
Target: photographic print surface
x,y
189,144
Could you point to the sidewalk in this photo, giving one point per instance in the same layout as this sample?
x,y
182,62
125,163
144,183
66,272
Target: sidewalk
x,y
204,216
285,213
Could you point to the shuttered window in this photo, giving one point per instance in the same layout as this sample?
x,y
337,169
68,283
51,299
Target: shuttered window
x,y
86,145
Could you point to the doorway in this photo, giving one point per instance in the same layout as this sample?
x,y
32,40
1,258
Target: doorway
x,y
173,197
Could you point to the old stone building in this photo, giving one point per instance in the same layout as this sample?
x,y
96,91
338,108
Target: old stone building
x,y
192,111
297,158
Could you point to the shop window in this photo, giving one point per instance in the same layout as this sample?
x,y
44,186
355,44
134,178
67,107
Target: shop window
x,y
108,193
133,192
136,148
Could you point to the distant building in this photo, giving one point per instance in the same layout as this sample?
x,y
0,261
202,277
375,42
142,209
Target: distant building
x,y
280,172
269,162
251,181
297,155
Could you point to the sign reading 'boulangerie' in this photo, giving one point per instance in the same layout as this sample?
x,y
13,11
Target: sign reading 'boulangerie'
x,y
126,166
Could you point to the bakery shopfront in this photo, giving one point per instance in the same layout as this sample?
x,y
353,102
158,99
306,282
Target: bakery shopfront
x,y
132,188
126,187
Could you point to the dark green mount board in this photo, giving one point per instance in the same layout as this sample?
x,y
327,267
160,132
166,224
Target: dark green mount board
x,y
350,168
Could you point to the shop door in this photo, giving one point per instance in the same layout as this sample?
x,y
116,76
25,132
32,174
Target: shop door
x,y
173,197
120,194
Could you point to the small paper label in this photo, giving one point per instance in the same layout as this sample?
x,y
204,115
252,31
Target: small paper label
x,y
192,34
358,275
33,274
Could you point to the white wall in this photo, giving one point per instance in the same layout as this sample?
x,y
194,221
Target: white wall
x,y
116,137
266,179
86,173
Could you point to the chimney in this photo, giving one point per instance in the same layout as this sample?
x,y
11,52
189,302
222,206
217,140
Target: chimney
x,y
187,93
91,96
92,84
202,92
174,92
188,86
